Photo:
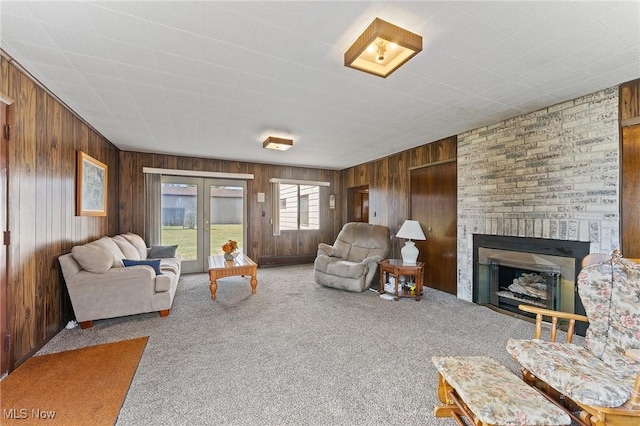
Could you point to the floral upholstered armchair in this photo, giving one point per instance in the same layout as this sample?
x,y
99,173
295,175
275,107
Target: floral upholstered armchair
x,y
601,379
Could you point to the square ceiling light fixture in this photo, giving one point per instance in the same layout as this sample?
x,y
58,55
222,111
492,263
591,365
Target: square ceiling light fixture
x,y
382,48
278,144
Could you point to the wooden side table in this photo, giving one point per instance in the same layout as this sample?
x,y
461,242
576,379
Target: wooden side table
x,y
397,268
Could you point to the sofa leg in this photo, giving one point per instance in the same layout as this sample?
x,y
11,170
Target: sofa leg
x,y
164,312
86,324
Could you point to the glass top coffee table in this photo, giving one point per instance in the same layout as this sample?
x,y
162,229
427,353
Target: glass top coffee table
x,y
241,265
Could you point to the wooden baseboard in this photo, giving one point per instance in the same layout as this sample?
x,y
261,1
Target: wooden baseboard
x,y
266,261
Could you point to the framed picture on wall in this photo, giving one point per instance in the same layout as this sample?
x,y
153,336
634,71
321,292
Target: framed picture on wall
x,y
91,186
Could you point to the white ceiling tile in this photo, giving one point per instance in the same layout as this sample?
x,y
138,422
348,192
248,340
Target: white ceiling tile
x,y
217,74
120,26
107,84
132,55
183,98
182,84
71,14
227,27
277,42
246,9
216,93
93,65
176,42
297,17
24,29
85,43
38,53
136,74
133,8
146,93
177,65
182,15
16,8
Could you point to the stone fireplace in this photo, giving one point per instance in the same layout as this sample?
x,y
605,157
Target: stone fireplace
x,y
550,175
509,271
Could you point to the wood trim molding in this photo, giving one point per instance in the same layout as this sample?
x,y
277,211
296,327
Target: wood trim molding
x,y
630,122
435,163
196,173
6,99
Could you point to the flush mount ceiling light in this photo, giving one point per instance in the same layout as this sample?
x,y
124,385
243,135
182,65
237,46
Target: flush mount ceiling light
x,y
278,144
382,48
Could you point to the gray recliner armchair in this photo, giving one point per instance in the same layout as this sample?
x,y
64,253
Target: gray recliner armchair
x,y
351,262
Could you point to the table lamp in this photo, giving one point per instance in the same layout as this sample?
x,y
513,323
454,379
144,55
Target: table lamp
x,y
411,230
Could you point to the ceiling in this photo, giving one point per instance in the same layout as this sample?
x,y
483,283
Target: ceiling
x,y
214,79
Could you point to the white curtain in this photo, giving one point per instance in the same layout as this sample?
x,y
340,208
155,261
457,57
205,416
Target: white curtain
x,y
275,207
153,208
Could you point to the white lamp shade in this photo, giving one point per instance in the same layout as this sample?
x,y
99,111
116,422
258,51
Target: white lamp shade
x,y
411,230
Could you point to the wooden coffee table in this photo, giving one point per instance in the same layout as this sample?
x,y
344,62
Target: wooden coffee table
x,y
241,265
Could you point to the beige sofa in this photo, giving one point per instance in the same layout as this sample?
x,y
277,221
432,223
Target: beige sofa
x,y
100,286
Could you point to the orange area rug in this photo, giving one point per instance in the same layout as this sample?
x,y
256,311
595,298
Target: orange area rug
x,y
78,387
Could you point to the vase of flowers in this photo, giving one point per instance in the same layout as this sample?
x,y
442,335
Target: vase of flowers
x,y
230,248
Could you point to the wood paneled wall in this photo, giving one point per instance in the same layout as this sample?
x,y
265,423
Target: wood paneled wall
x,y
389,182
630,103
630,164
260,236
41,207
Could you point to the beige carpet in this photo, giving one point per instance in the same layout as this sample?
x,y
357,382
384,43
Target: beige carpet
x,y
77,387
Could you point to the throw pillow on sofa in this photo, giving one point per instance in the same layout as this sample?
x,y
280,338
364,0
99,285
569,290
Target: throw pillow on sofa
x,y
155,264
162,252
92,258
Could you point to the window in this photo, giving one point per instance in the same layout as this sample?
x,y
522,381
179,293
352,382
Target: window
x,y
296,204
299,207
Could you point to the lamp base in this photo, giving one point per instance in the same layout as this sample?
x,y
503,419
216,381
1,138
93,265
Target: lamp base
x,y
409,253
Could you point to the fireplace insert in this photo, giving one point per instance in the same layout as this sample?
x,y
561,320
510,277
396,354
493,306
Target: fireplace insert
x,y
509,271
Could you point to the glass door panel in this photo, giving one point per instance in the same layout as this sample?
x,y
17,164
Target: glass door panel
x,y
182,219
226,214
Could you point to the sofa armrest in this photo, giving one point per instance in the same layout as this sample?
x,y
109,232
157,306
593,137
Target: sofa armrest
x,y
117,292
372,259
555,316
328,250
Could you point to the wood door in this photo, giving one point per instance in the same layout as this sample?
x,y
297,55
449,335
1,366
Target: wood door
x,y
358,204
630,202
4,314
434,205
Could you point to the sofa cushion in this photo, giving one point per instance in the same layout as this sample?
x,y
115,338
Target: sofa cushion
x,y
344,268
574,371
610,293
162,252
154,263
138,243
624,322
111,247
92,258
128,249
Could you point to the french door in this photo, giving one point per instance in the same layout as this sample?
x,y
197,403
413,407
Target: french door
x,y
200,215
